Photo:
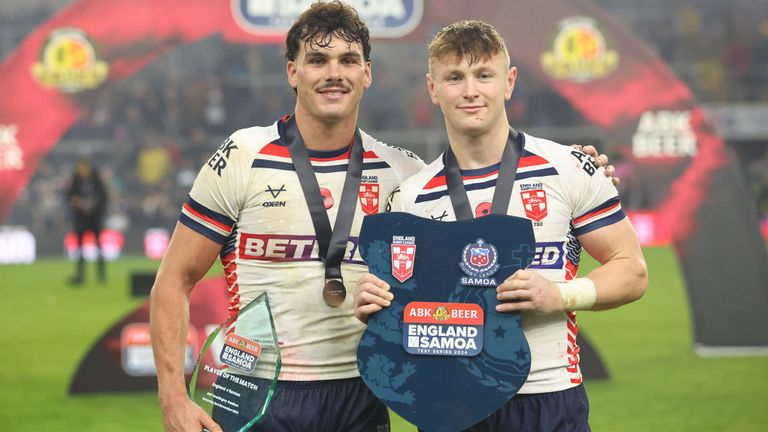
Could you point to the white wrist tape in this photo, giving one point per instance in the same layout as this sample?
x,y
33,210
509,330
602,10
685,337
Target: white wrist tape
x,y
578,294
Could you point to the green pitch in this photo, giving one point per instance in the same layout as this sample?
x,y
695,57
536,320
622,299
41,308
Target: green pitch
x,y
657,382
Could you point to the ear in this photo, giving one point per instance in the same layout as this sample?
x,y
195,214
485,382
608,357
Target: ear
x,y
511,77
368,75
290,71
431,89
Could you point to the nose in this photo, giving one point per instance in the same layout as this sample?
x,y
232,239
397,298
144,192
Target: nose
x,y
470,88
334,71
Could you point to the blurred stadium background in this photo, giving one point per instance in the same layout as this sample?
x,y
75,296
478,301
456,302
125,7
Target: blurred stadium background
x,y
150,133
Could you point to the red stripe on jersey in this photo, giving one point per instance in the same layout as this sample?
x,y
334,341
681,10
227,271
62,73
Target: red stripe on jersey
x,y
571,270
440,180
595,213
211,221
273,149
529,161
230,272
572,352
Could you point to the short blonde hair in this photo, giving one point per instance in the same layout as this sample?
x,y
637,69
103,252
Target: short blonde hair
x,y
474,39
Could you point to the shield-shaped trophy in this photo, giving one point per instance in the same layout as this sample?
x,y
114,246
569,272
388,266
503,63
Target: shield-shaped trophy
x,y
440,355
236,373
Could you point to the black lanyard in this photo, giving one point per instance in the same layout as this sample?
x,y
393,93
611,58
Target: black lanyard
x,y
504,183
332,244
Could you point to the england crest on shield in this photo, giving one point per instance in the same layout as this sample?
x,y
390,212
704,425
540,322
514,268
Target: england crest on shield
x,y
403,257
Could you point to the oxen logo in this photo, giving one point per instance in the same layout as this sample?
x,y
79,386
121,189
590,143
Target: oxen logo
x,y
68,61
403,257
385,18
479,259
369,197
579,52
535,204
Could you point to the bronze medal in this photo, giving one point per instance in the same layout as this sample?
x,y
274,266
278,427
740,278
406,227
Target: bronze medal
x,y
334,292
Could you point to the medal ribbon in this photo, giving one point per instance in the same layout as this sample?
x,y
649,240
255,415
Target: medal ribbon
x,y
504,182
332,244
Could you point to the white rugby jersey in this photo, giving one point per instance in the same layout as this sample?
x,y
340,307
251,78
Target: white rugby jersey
x,y
249,199
564,195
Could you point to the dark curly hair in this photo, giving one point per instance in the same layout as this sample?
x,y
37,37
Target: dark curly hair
x,y
321,22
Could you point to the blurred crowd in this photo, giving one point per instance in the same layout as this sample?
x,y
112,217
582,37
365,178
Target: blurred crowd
x,y
150,134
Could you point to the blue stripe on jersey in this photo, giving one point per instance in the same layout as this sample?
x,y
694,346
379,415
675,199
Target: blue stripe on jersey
x,y
218,217
610,220
202,229
229,246
536,173
520,176
604,205
286,166
435,195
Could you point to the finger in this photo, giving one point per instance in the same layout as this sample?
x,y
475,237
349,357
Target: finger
x,y
610,171
376,291
522,275
209,424
368,309
616,181
590,150
601,160
514,306
515,296
577,147
367,298
375,280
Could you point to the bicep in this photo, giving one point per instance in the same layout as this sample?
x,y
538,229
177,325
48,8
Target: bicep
x,y
188,257
611,242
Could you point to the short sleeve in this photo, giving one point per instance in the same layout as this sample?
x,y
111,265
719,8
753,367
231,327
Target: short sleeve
x,y
217,195
595,201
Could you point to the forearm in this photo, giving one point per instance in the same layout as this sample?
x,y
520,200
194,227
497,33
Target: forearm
x,y
169,322
618,282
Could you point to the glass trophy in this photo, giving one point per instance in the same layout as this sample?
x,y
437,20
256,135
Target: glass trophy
x,y
235,376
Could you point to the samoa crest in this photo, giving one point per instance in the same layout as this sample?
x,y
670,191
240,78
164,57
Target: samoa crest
x,y
479,261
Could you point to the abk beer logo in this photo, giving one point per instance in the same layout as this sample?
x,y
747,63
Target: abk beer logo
x,y
664,134
534,204
240,353
369,197
403,257
11,156
385,18
579,52
446,329
69,62
479,261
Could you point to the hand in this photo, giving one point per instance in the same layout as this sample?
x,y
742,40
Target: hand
x,y
182,415
527,290
372,295
601,160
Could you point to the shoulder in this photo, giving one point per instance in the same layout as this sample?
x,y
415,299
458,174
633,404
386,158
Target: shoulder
x,y
422,180
543,154
404,162
251,140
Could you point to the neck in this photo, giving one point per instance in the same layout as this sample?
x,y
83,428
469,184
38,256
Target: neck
x,y
479,151
325,135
